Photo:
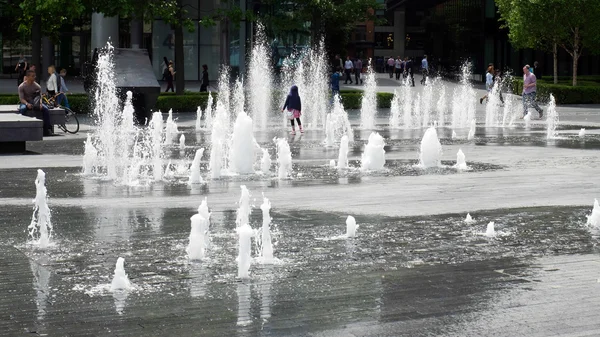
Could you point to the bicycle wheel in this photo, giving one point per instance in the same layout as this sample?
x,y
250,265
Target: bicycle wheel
x,y
71,122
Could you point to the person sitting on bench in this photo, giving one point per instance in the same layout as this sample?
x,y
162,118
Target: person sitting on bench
x,y
30,98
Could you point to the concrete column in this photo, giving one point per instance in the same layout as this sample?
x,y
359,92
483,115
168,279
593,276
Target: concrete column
x,y
136,31
47,56
103,29
399,32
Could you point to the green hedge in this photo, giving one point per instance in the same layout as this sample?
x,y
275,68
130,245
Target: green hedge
x,y
563,94
190,101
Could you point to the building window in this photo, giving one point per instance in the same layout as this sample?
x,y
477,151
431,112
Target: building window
x,y
360,33
384,40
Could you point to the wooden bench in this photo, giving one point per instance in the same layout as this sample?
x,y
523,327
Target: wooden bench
x,y
16,130
57,115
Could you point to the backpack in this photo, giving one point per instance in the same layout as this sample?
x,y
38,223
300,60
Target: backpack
x,y
167,74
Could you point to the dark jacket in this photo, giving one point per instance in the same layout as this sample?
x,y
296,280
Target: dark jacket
x,y
335,81
205,77
293,100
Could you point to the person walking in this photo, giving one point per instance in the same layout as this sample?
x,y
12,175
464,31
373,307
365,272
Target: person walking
x,y
390,63
294,108
204,86
424,69
62,95
335,83
529,92
169,75
489,83
51,84
348,68
21,68
398,65
357,70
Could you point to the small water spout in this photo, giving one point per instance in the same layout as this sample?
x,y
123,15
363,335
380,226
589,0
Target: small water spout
x,y
461,163
490,232
431,150
343,154
552,119
245,234
593,220
90,157
197,246
351,227
243,145
198,118
195,177
582,133
182,143
120,280
40,228
171,130
469,219
265,162
373,157
329,132
266,244
243,212
471,135
284,158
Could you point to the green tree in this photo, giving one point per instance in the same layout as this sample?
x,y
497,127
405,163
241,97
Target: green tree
x,y
543,24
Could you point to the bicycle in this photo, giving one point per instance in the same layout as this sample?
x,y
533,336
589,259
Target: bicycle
x,y
71,122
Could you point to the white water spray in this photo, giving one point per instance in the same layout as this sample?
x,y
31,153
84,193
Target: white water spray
x,y
373,157
431,150
368,108
120,280
40,228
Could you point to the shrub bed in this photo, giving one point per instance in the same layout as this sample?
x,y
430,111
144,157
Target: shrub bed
x,y
563,94
190,101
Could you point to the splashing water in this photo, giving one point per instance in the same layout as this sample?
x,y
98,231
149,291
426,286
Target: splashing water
x,y
490,231
373,157
171,129
368,108
492,108
395,111
243,212
461,163
340,120
182,142
40,228
351,227
343,155
223,98
90,157
195,177
469,219
318,79
260,79
582,133
245,234
284,158
471,135
454,135
266,244
407,104
208,113
196,248
441,106
463,100
507,113
120,280
552,119
238,100
265,162
593,220
156,126
426,105
243,144
169,174
431,150
329,132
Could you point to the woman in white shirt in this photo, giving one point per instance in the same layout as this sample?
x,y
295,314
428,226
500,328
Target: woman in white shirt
x,y
51,85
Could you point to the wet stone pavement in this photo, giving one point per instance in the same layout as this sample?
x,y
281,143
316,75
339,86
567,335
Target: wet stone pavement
x,y
415,268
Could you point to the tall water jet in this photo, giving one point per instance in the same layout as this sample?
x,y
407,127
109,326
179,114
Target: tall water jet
x,y
182,142
239,99
551,119
329,132
395,111
593,220
128,126
156,126
426,103
219,141
241,154
266,244
90,156
340,120
431,150
208,112
243,212
417,113
171,129
441,106
203,210
318,80
265,162
40,228
507,111
368,108
284,158
373,157
120,280
197,246
224,97
198,118
461,163
463,100
244,250
343,155
195,177
492,107
472,129
490,232
351,227
260,79
407,119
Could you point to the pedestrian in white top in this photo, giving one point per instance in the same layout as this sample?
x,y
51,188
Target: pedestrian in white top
x,y
348,67
51,85
489,83
391,62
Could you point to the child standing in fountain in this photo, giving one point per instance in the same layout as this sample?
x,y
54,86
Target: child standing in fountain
x,y
294,108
